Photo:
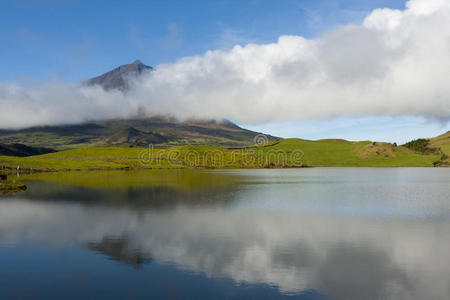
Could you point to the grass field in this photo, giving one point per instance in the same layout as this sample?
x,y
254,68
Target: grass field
x,y
280,154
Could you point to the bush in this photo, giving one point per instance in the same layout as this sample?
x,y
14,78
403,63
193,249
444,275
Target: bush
x,y
421,146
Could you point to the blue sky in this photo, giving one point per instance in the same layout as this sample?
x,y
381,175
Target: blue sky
x,y
73,40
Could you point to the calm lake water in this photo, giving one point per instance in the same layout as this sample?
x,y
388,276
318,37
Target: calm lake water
x,y
325,233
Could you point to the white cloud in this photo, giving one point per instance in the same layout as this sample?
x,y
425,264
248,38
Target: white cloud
x,y
59,103
395,63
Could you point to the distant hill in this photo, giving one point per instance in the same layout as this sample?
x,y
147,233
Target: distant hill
x,y
137,132
22,150
117,78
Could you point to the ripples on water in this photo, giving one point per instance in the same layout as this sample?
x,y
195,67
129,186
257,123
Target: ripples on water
x,y
305,233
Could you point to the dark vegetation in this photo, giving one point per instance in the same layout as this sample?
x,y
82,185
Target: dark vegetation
x,y
21,150
422,146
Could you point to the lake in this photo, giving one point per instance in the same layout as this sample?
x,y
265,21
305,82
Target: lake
x,y
320,233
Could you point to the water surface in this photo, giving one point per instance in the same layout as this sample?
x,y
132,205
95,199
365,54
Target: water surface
x,y
325,233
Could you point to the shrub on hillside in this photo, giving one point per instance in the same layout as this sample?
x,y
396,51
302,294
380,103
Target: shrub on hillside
x,y
421,146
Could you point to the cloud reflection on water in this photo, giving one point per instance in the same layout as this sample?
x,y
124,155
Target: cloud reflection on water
x,y
341,256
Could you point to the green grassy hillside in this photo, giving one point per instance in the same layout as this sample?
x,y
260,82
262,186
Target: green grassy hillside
x,y
280,154
442,142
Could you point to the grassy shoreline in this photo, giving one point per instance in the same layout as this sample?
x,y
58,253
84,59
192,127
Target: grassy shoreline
x,y
287,153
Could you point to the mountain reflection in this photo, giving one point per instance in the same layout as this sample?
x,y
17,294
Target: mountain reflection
x,y
342,257
119,249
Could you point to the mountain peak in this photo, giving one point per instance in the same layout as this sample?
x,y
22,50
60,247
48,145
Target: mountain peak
x,y
117,78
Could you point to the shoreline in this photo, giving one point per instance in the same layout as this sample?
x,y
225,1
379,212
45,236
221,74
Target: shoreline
x,y
26,171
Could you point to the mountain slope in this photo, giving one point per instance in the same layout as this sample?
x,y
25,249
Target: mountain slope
x,y
117,78
136,132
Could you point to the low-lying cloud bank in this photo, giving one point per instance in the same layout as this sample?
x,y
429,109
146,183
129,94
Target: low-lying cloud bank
x,y
394,63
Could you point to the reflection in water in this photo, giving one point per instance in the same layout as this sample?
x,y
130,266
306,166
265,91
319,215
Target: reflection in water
x,y
119,249
139,189
265,232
